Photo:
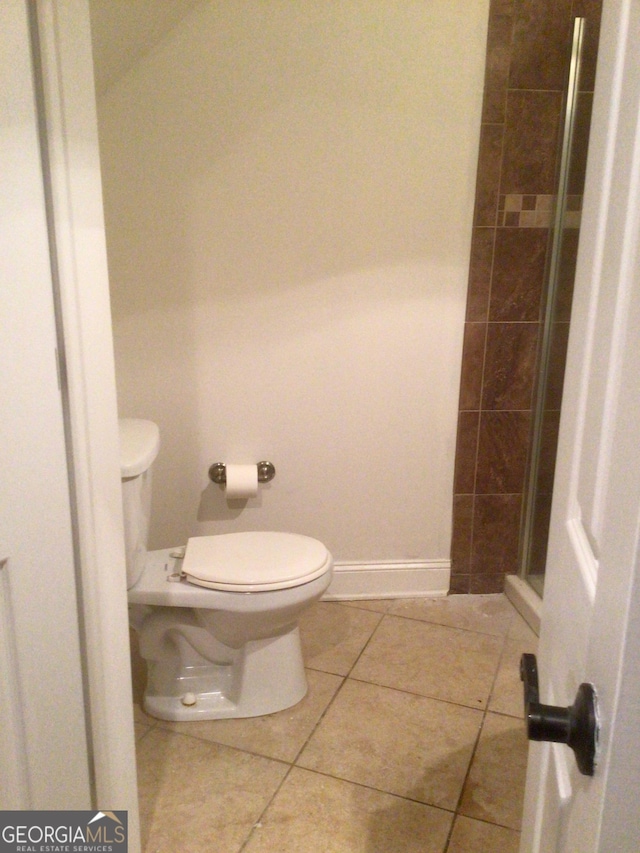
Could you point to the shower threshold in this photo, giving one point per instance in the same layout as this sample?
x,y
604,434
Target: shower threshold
x,y
525,600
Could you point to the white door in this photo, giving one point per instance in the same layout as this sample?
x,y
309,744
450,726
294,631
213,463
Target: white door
x,y
44,754
591,612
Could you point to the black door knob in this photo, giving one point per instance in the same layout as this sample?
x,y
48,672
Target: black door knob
x,y
576,726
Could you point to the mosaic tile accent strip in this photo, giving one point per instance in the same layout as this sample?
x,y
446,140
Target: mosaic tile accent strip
x,y
519,210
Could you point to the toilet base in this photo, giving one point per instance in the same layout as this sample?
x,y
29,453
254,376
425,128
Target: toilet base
x,y
263,677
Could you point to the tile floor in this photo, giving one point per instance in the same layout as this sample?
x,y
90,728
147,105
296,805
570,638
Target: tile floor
x,y
409,739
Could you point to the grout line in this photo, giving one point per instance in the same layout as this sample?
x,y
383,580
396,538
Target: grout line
x,y
451,627
311,733
354,603
420,695
320,719
340,688
475,747
144,734
258,823
379,790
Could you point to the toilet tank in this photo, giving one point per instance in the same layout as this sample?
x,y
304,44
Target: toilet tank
x,y
139,445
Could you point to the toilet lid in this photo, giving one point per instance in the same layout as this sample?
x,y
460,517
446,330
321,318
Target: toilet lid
x,y
254,561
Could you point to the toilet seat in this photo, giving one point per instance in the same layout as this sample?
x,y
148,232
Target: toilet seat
x,y
254,561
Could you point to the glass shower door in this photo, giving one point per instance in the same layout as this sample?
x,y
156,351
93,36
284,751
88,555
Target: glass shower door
x,y
557,315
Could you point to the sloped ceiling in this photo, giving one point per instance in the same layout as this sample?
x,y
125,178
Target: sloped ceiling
x,y
124,30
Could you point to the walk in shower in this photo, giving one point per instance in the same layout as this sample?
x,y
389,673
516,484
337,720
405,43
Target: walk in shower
x,y
561,267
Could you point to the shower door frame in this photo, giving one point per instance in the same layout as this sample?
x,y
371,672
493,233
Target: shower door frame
x,y
552,279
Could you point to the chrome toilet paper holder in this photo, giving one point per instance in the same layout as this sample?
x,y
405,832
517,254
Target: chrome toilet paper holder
x,y
218,472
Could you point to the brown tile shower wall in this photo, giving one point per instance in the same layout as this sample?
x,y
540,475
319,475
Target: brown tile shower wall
x,y
527,55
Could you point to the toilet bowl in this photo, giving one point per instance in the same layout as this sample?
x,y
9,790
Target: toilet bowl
x,y
218,620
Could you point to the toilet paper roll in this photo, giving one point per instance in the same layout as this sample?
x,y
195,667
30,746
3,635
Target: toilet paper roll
x,y
242,481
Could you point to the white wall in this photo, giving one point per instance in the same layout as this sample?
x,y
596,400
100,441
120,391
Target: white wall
x,y
288,191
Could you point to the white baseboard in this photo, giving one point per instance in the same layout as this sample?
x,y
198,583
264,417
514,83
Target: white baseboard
x,y
406,579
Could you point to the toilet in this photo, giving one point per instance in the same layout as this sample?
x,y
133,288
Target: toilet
x,y
217,619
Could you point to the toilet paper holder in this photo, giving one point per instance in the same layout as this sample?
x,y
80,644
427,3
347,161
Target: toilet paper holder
x,y
218,472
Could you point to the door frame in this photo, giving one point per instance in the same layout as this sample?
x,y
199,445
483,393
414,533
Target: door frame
x,y
71,152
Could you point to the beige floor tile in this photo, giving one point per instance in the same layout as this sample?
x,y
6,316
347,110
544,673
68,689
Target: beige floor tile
x,y
384,733
334,635
396,742
433,660
507,696
473,836
280,735
520,630
494,790
489,614
315,813
200,797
